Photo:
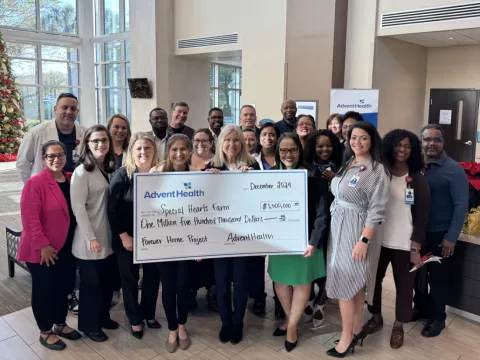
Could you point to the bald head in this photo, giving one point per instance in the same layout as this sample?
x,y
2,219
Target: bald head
x,y
289,110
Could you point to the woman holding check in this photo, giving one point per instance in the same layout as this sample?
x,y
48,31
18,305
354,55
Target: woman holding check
x,y
232,155
141,157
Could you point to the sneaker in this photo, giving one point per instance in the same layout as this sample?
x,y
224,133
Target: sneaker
x,y
115,298
318,315
73,303
307,315
433,328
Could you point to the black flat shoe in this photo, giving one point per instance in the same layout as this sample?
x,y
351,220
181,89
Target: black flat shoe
x,y
99,336
290,346
74,335
433,328
137,334
334,353
237,334
57,346
110,325
279,332
154,325
225,334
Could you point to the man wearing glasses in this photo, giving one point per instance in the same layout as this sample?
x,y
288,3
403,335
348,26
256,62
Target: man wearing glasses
x,y
63,129
349,119
215,121
158,119
448,207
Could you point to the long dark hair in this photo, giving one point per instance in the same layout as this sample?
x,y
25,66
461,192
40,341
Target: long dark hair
x,y
265,126
392,139
296,140
375,151
310,154
86,157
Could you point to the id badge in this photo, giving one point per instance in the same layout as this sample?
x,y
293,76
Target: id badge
x,y
75,156
354,180
409,196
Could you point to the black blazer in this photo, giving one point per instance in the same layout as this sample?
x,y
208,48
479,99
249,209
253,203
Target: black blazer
x,y
120,207
187,130
421,208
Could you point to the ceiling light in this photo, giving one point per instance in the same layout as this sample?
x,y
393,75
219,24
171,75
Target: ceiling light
x,y
450,38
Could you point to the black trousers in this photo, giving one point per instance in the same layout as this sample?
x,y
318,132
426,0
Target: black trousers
x,y
129,273
96,290
175,289
51,286
256,277
202,274
404,282
228,270
438,277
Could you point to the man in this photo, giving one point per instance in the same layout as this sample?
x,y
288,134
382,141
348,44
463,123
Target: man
x,y
159,122
349,119
248,119
289,112
250,140
448,207
63,129
179,117
215,121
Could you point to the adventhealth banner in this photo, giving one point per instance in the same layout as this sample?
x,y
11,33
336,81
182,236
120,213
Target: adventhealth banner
x,y
190,215
363,101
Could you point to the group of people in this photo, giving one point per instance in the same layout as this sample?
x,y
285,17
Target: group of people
x,y
371,202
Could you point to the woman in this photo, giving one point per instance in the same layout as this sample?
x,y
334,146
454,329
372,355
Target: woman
x,y
46,245
404,229
119,128
92,243
361,189
334,124
304,127
203,148
293,274
176,274
232,155
141,157
323,156
269,135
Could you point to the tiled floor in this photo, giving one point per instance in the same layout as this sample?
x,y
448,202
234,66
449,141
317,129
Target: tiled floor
x,y
460,340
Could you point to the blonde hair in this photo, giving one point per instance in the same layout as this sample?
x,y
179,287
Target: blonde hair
x,y
167,165
130,162
243,158
129,131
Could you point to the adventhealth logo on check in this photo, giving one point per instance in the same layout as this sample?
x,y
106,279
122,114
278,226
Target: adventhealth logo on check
x,y
185,192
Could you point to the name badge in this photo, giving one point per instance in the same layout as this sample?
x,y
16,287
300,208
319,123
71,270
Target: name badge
x,y
75,155
353,182
409,196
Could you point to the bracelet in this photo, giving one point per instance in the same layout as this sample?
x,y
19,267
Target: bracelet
x,y
364,240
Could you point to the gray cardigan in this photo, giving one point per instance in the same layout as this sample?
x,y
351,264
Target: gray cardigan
x,y
89,194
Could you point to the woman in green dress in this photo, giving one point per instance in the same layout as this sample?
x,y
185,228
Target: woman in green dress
x,y
293,274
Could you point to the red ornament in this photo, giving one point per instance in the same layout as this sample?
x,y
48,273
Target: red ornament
x,y
4,140
1,115
7,81
10,140
15,123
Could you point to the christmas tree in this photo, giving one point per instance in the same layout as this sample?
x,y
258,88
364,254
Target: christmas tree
x,y
12,124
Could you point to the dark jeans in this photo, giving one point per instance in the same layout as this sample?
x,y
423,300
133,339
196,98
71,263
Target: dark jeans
x,y
129,273
404,281
228,270
51,286
438,275
96,290
175,290
256,277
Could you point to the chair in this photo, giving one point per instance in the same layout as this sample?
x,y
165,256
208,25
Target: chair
x,y
13,239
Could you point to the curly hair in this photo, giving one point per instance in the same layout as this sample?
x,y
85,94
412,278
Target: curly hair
x,y
393,138
310,154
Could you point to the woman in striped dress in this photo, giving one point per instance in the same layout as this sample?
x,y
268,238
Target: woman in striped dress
x,y
361,189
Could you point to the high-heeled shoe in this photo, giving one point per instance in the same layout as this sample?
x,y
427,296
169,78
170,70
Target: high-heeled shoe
x,y
334,353
290,346
360,337
280,332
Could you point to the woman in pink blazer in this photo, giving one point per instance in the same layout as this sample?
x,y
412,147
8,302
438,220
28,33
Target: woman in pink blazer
x,y
46,245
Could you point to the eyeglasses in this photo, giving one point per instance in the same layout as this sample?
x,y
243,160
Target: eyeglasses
x,y
284,151
98,141
435,140
52,157
201,141
404,146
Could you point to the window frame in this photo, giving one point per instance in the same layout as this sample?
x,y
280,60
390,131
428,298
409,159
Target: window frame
x,y
215,88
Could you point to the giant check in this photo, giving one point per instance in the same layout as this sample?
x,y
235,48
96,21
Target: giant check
x,y
190,215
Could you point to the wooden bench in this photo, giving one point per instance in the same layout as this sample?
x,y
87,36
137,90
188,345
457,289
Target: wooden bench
x,y
12,236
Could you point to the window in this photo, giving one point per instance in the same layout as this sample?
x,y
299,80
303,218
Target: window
x,y
112,69
49,16
225,91
42,73
111,17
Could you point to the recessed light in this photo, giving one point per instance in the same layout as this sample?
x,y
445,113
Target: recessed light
x,y
450,38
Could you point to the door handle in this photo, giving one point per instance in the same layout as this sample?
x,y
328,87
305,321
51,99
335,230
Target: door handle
x,y
469,142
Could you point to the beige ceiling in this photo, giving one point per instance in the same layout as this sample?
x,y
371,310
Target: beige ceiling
x,y
443,38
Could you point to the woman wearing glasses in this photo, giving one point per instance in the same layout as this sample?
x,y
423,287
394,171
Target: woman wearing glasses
x,y
92,243
293,274
203,148
46,245
304,127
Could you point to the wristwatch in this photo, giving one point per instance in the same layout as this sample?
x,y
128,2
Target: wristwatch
x,y
413,249
365,240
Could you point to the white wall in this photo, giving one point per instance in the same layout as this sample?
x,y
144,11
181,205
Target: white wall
x,y
453,67
400,75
